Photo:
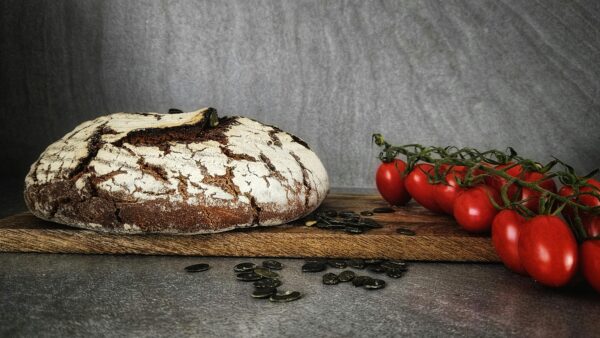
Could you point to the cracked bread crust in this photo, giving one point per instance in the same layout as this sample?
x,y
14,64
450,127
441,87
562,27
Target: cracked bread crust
x,y
175,173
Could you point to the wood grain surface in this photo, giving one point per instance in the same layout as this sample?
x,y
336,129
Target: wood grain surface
x,y
437,238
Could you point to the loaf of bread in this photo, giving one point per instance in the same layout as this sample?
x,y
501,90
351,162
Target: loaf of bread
x,y
183,173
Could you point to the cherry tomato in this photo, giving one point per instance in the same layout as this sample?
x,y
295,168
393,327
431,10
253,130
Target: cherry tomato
x,y
446,193
497,182
590,262
473,210
390,182
506,228
548,250
417,184
591,224
532,197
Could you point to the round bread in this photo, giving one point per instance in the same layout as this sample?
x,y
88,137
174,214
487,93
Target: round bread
x,y
186,173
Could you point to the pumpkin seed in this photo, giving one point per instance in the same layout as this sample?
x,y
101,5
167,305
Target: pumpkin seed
x,y
346,276
353,230
356,263
272,265
338,264
244,267
313,267
267,283
264,272
264,292
286,296
376,268
394,265
248,276
175,111
395,273
374,261
197,267
360,280
330,279
374,284
404,231
347,214
367,213
383,210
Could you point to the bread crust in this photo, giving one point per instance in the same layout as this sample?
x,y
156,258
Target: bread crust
x,y
175,173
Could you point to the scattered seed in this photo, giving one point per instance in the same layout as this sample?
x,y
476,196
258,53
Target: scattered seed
x,y
175,111
376,268
266,273
197,267
313,267
347,214
356,263
374,284
394,265
286,296
353,230
272,265
395,273
338,264
248,276
244,267
404,231
360,280
264,292
367,213
346,276
331,213
374,261
383,210
267,283
330,279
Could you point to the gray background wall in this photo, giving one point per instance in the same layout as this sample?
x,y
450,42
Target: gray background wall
x,y
479,73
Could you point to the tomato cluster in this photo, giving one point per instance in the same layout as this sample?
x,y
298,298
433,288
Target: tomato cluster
x,y
542,246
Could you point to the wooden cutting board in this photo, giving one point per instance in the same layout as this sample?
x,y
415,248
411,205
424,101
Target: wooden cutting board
x,y
437,238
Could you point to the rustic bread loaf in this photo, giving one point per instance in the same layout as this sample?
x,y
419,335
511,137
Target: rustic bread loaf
x,y
185,173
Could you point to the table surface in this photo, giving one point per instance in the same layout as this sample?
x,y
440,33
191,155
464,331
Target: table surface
x,y
103,295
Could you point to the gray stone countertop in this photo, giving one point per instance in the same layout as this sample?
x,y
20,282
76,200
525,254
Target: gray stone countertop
x,y
104,295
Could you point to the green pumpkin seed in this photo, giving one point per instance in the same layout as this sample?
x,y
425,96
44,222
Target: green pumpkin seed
x,y
356,263
248,276
395,273
272,265
346,276
374,284
286,296
264,292
267,283
353,230
360,280
338,264
383,210
374,261
330,279
244,267
376,268
264,272
394,265
197,267
404,231
313,267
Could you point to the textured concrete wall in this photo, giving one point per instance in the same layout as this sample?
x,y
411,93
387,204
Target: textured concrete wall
x,y
479,73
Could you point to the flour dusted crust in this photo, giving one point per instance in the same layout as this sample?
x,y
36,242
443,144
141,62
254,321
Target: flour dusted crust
x,y
175,173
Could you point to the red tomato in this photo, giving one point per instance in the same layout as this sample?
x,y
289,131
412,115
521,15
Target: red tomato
x,y
591,224
590,262
532,196
506,228
446,193
417,184
548,250
473,210
390,182
497,182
